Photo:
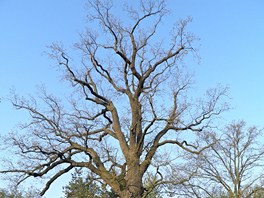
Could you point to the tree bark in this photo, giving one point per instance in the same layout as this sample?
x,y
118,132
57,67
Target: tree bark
x,y
134,186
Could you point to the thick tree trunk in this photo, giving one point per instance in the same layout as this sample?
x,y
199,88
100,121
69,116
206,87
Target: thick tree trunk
x,y
134,186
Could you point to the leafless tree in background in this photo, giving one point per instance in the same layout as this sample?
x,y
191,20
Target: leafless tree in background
x,y
129,114
233,166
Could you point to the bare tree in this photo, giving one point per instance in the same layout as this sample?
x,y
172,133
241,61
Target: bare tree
x,y
14,192
130,101
233,166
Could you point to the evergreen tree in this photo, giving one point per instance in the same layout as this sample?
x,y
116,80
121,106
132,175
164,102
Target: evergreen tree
x,y
83,187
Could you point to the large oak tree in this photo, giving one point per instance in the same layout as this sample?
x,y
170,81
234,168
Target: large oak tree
x,y
129,105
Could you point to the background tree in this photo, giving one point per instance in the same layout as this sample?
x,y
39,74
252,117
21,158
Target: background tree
x,y
81,186
234,165
130,101
15,192
257,192
10,194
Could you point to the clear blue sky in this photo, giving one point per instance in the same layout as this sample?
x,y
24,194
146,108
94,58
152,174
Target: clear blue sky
x,y
232,53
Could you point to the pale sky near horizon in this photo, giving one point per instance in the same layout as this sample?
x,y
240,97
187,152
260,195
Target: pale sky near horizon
x,y
231,37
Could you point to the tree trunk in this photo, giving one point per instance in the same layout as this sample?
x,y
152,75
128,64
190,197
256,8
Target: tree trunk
x,y
134,186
